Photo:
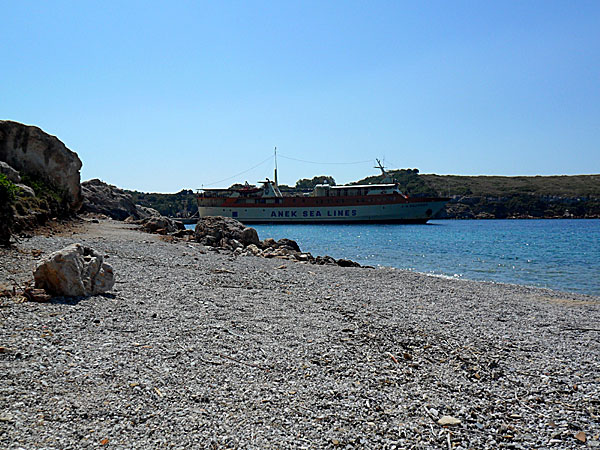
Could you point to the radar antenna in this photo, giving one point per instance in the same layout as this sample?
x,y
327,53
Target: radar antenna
x,y
386,176
380,167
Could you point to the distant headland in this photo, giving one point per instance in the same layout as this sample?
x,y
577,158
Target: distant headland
x,y
472,197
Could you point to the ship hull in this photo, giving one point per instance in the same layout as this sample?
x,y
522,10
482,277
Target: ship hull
x,y
405,212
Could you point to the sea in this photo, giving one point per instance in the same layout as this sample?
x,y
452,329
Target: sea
x,y
560,254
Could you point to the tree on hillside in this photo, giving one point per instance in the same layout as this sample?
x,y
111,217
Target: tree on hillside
x,y
409,182
305,183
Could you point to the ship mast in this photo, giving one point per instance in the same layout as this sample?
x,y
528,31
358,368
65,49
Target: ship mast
x,y
276,184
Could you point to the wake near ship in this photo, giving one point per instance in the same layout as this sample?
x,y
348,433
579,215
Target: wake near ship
x,y
366,203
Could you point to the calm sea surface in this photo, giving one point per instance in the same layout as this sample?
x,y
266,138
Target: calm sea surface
x,y
557,254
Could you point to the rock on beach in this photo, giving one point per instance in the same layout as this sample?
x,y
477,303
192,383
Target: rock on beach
x,y
200,349
74,271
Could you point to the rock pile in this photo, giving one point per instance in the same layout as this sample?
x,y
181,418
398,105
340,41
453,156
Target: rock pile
x,y
229,234
224,232
74,271
102,198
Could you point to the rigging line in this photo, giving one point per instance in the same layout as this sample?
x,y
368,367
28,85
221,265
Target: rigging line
x,y
330,163
241,173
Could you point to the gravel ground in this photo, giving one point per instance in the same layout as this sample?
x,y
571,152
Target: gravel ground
x,y
198,349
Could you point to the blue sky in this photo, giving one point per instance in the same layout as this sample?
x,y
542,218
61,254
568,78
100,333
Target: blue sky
x,y
161,96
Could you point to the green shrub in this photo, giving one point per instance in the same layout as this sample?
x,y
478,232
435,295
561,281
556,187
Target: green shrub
x,y
43,188
48,196
8,190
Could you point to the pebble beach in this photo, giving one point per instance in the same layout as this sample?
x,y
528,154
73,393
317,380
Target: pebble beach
x,y
197,348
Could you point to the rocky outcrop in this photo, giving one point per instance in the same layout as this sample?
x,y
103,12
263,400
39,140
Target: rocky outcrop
x,y
144,212
231,235
74,271
10,173
25,191
102,198
30,150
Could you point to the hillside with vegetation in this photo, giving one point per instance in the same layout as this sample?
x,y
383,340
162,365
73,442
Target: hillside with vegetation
x,y
576,196
563,185
182,204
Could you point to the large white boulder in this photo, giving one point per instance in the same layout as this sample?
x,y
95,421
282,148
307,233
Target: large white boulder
x,y
74,271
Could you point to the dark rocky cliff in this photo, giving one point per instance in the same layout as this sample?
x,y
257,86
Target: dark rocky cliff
x,y
39,179
33,152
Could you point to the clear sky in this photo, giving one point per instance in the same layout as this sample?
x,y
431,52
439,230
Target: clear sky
x,y
160,96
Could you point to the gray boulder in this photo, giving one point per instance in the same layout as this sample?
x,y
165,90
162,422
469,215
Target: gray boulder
x,y
161,224
219,231
74,271
30,150
25,191
250,236
10,173
289,244
347,263
144,212
269,242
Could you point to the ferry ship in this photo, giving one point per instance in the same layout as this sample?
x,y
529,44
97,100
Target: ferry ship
x,y
366,203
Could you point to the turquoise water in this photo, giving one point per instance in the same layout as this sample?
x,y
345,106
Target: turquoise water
x,y
557,254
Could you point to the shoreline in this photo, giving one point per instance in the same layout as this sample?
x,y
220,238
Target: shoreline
x,y
445,253
195,348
